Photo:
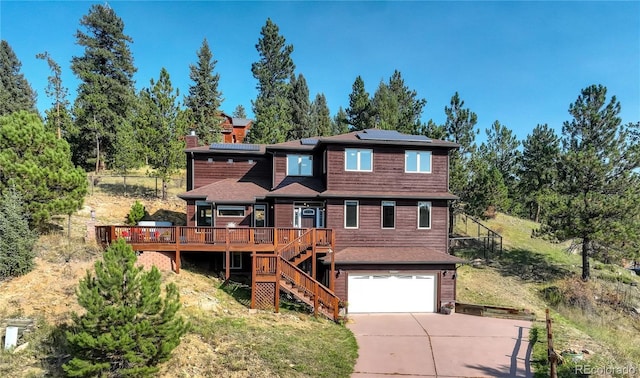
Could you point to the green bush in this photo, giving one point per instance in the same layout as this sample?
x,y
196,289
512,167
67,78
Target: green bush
x,y
127,328
136,213
16,238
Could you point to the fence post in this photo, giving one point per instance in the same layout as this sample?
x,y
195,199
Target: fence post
x,y
551,354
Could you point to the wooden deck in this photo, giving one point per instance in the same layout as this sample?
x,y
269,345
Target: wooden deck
x,y
276,252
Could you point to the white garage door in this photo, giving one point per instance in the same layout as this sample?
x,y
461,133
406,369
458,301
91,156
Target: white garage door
x,y
392,293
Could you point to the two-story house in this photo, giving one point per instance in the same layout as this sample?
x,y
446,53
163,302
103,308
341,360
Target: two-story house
x,y
384,196
234,129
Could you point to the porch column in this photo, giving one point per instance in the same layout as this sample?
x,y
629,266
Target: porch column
x,y
227,256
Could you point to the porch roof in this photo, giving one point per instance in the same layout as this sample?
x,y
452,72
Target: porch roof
x,y
298,187
394,256
230,191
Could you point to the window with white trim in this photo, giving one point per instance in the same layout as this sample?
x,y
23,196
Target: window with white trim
x,y
351,214
357,159
424,214
236,260
299,165
417,161
230,211
388,210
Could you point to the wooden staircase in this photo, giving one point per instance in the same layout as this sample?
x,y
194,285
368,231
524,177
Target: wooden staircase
x,y
282,270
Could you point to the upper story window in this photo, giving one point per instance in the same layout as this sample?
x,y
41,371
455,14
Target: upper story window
x,y
357,159
424,214
417,161
351,214
231,211
388,214
299,165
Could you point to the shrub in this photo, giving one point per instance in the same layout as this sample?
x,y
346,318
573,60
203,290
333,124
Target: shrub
x,y
16,238
136,213
128,328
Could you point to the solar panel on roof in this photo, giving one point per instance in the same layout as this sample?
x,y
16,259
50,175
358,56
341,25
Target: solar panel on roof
x,y
234,147
390,135
308,141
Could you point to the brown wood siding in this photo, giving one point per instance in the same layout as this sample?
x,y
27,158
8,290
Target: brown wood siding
x,y
283,214
280,171
206,172
405,234
191,213
388,172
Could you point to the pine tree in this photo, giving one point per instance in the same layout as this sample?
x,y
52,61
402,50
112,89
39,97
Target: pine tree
x,y
501,153
127,328
460,129
340,123
300,109
486,190
360,111
15,92
165,128
385,108
240,112
409,105
272,108
106,95
16,238
38,166
598,183
204,98
538,169
58,117
433,130
320,116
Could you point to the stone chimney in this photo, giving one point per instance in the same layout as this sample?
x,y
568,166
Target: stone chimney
x,y
191,139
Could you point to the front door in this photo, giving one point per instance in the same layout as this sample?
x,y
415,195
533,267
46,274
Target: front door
x,y
308,215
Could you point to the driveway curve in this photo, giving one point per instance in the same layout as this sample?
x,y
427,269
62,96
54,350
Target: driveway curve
x,y
435,345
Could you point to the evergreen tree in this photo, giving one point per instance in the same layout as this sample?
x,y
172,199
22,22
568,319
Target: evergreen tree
x,y
340,123
409,105
106,95
38,166
360,111
598,183
16,238
385,108
538,169
486,190
460,129
434,131
58,118
320,116
204,98
240,112
273,70
15,92
300,109
127,328
165,128
501,152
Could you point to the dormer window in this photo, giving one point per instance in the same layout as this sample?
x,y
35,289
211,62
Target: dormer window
x,y
417,161
299,165
357,159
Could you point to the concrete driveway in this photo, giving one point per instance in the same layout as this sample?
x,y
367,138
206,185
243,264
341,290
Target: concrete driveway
x,y
435,345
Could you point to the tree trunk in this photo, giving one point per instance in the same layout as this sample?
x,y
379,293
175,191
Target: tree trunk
x,y
537,212
164,189
586,247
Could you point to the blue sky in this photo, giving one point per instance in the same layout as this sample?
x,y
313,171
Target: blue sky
x,y
518,62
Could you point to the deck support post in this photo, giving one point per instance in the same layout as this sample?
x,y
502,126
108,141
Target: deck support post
x,y
276,293
227,263
313,254
177,239
254,284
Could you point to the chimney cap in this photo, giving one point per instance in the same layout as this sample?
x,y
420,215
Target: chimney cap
x,y
192,133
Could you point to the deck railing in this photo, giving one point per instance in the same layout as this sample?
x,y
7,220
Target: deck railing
x,y
296,246
196,235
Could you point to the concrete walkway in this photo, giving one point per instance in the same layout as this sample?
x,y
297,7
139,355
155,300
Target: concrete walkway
x,y
435,345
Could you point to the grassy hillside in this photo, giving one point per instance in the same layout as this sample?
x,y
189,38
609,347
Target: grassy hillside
x,y
225,339
600,316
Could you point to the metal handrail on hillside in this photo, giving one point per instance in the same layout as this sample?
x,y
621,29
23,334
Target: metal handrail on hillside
x,y
490,240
